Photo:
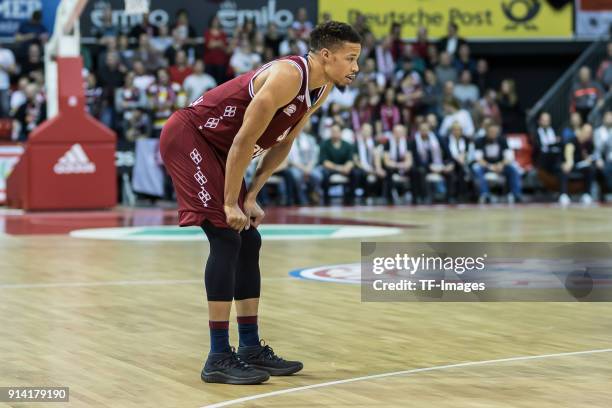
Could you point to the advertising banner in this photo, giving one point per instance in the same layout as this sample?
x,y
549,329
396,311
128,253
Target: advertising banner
x,y
593,18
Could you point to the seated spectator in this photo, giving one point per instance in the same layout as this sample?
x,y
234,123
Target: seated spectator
x,y
604,72
460,152
420,45
548,145
369,74
578,162
301,25
33,62
385,64
93,96
513,118
179,44
362,113
337,158
397,160
106,29
429,157
463,60
244,59
586,93
18,97
183,28
31,113
445,71
388,114
129,97
303,159
180,70
482,78
410,94
137,125
273,39
451,42
163,100
487,107
368,160
453,113
162,40
198,82
7,68
432,94
465,91
30,32
292,38
142,79
575,123
152,59
603,153
126,53
144,27
492,154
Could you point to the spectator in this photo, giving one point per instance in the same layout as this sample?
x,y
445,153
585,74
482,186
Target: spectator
x,y
368,48
292,38
142,79
487,107
433,57
137,126
198,82
603,152
368,160
463,60
492,154
179,44
273,39
410,96
432,94
604,72
110,46
337,158
215,54
111,74
388,113
548,145
445,71
362,113
303,159
183,29
452,42
513,119
244,59
164,98
18,97
429,157
30,32
180,70
163,40
369,74
578,162
453,113
33,62
575,123
384,59
301,25
107,28
420,45
31,113
361,24
148,55
129,97
586,93
126,54
460,152
483,79
7,68
396,42
144,27
93,96
397,161
465,91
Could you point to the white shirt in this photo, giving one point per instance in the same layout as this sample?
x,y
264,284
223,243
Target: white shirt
x,y
195,85
242,62
7,59
285,49
143,82
465,120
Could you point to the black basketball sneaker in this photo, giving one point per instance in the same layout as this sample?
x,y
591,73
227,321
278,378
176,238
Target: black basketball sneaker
x,y
228,368
262,357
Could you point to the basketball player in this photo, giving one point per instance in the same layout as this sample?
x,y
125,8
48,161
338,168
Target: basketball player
x,y
206,149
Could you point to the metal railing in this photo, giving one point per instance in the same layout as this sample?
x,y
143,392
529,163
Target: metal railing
x,y
556,100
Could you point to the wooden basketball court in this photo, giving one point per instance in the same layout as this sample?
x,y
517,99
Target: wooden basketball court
x,y
123,323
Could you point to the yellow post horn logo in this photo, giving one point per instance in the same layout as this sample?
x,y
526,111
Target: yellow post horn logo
x,y
521,12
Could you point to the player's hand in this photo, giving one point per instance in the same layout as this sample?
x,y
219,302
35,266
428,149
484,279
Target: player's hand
x,y
235,218
254,213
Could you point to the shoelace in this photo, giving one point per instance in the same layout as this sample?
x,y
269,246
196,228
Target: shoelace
x,y
233,361
268,353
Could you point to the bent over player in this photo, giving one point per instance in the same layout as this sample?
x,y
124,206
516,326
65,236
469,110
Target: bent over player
x,y
206,149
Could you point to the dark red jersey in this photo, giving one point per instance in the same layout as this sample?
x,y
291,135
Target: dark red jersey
x,y
218,114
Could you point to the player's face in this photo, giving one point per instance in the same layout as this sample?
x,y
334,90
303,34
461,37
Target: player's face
x,y
342,67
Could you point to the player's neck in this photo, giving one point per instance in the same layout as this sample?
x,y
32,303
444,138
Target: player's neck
x,y
316,74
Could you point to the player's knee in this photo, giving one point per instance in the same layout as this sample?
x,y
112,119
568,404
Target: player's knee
x,y
224,240
251,239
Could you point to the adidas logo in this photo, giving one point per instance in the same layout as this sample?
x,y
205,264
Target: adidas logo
x,y
301,98
74,161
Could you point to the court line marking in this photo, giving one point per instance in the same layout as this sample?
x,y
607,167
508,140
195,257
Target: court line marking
x,y
396,373
114,283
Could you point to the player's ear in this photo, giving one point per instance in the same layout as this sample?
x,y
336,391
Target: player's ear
x,y
325,53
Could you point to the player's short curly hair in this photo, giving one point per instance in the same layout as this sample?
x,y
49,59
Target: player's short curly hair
x,y
332,34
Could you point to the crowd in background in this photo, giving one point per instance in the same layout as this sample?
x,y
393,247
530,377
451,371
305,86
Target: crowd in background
x,y
423,121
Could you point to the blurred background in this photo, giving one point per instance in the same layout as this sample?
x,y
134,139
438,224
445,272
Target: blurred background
x,y
479,101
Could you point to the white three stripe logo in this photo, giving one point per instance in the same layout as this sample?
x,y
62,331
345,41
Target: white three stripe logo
x,y
74,161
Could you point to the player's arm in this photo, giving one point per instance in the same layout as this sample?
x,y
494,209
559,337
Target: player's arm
x,y
277,154
280,87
